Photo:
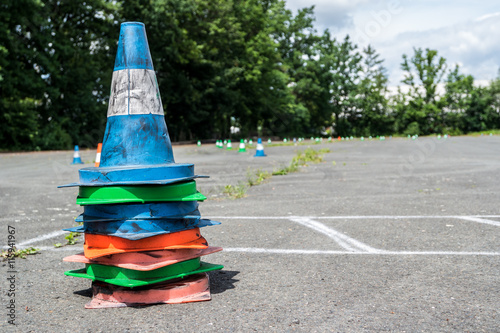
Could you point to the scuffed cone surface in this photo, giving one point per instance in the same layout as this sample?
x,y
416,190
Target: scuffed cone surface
x,y
195,288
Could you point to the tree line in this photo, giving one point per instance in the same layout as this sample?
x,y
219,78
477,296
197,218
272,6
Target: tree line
x,y
248,64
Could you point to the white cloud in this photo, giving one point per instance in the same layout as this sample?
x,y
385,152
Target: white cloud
x,y
332,14
464,32
474,45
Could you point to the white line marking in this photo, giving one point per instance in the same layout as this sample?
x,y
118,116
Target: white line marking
x,y
41,238
479,220
309,252
288,251
350,217
77,248
346,242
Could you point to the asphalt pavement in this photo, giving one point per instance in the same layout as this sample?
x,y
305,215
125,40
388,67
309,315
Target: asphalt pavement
x,y
396,235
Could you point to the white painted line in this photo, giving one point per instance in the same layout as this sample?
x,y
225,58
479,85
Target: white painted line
x,y
41,238
78,249
426,253
479,220
391,217
346,242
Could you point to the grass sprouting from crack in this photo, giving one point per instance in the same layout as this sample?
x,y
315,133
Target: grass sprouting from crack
x,y
256,177
236,191
70,238
6,254
302,159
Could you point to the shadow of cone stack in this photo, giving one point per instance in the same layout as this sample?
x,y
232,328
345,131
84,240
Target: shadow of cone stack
x,y
141,219
98,155
260,149
242,148
76,156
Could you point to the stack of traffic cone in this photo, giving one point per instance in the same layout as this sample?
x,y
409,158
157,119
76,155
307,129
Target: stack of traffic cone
x,y
76,156
141,220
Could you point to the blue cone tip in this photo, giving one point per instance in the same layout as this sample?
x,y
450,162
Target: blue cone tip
x,y
133,49
259,140
76,148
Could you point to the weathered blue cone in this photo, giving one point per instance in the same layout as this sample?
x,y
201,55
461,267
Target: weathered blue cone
x,y
139,229
260,149
76,156
136,147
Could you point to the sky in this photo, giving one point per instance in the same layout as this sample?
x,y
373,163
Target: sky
x,y
466,33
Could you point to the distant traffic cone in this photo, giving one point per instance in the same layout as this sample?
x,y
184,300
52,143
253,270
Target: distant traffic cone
x,y
250,142
242,147
269,141
338,138
229,145
198,143
76,156
98,155
260,149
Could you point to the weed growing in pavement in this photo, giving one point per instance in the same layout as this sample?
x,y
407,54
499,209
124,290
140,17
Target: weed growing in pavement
x,y
301,159
71,239
257,177
19,253
236,191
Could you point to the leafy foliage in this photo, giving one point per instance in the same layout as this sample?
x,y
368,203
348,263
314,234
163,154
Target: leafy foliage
x,y
251,64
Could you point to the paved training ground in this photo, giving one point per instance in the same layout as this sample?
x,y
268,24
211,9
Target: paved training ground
x,y
396,235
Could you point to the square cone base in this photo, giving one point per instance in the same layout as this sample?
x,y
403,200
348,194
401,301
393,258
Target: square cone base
x,y
195,288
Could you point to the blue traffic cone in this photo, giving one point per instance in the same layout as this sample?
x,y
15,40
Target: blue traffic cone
x,y
76,156
260,149
136,148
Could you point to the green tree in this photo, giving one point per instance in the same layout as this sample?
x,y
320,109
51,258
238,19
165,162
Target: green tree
x,y
457,100
21,88
374,118
56,74
423,73
344,67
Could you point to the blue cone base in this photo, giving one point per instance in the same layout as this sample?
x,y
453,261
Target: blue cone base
x,y
158,210
136,139
259,153
77,160
136,175
139,229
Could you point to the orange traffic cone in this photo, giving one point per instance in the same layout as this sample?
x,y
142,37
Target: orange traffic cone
x,y
98,155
